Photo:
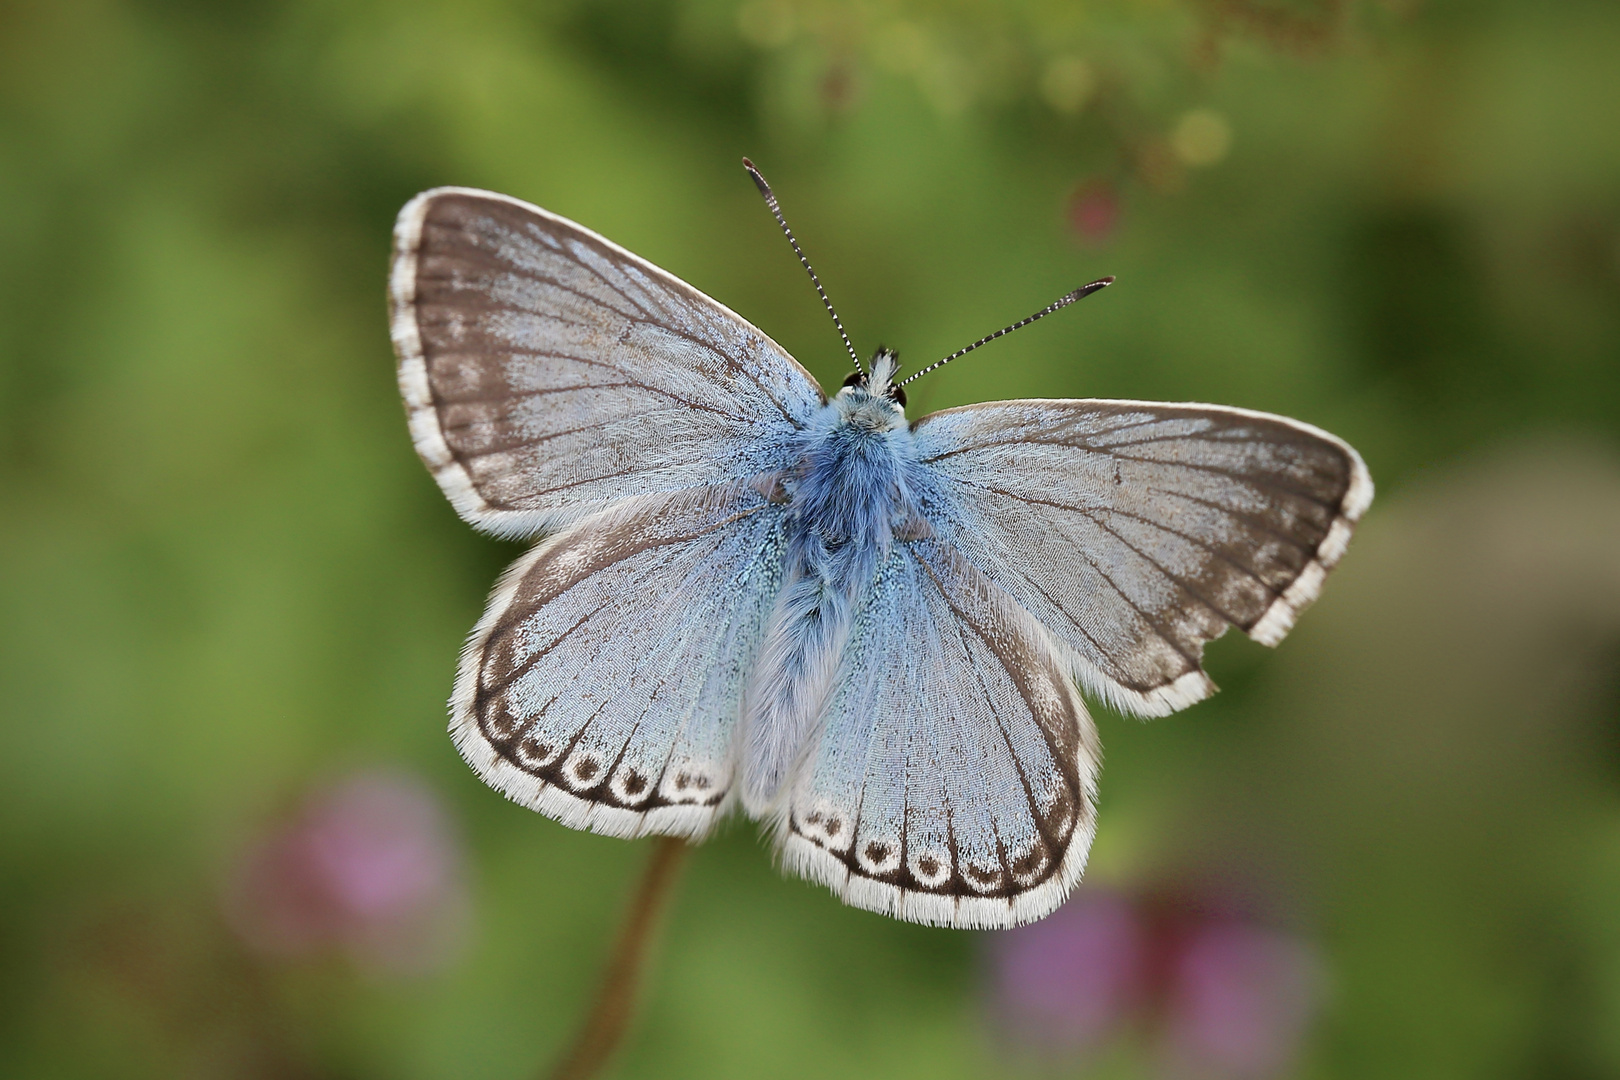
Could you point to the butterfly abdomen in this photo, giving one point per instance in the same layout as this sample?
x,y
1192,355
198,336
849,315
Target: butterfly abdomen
x,y
846,495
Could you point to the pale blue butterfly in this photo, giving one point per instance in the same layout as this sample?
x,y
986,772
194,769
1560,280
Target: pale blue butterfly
x,y
867,632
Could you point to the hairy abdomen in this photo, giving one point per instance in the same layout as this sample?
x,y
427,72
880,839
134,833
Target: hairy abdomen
x,y
803,643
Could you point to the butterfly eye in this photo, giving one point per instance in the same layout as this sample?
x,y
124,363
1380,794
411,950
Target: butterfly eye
x,y
899,395
854,378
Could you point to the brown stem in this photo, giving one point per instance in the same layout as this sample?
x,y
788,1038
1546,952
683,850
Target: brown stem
x,y
609,1017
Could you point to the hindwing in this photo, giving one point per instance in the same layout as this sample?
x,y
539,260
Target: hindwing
x,y
602,686
952,779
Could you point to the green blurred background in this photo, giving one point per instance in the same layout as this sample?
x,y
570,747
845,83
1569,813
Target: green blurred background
x,y
227,579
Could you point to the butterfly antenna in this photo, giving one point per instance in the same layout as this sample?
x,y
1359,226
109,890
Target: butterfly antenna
x,y
776,210
1061,302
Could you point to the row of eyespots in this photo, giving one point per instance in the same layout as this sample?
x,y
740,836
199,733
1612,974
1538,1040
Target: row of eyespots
x,y
929,868
685,782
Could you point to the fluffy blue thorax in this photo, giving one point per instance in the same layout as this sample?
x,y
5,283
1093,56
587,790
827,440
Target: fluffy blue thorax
x,y
850,490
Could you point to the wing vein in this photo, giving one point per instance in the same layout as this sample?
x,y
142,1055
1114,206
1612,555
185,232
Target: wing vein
x,y
1091,515
963,624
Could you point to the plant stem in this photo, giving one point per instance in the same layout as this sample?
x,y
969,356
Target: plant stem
x,y
609,1018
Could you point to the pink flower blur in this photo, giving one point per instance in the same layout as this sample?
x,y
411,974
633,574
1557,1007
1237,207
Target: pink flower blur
x,y
1209,996
1066,983
369,866
1094,211
1242,997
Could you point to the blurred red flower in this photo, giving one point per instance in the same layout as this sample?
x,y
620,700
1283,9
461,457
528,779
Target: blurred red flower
x,y
369,866
1094,211
1210,993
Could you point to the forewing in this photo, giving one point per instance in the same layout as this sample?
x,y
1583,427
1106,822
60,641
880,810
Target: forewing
x,y
1138,531
953,779
548,372
602,686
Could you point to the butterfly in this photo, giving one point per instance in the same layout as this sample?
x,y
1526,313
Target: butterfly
x,y
868,632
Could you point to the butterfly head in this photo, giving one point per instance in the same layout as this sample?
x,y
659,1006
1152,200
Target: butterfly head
x,y
875,391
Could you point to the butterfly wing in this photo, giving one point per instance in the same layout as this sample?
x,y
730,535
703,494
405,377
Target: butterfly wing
x,y
1137,531
952,779
602,686
548,372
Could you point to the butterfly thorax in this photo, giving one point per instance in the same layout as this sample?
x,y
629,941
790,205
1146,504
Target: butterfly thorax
x,y
849,485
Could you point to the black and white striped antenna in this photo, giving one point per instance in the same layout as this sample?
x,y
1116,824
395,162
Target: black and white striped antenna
x,y
1061,302
770,201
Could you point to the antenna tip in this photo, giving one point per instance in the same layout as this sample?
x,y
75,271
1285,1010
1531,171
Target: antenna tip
x,y
759,180
1086,290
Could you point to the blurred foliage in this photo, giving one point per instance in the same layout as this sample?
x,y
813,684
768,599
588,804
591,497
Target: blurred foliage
x,y
228,579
